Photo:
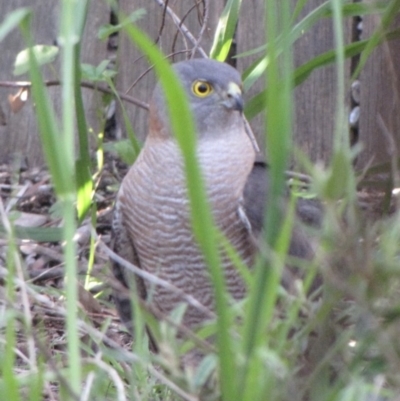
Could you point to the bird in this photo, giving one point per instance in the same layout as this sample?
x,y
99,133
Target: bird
x,y
152,225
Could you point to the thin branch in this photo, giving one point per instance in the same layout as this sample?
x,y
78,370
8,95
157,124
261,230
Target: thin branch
x,y
206,15
202,23
179,29
162,22
182,27
84,84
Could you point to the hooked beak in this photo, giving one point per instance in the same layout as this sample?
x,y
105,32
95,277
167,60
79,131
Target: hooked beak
x,y
234,101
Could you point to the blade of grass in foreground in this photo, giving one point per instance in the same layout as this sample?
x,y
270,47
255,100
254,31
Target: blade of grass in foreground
x,y
60,157
202,221
225,30
341,165
69,37
278,130
84,182
9,384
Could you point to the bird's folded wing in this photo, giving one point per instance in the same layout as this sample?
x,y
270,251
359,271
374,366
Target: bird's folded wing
x,y
308,212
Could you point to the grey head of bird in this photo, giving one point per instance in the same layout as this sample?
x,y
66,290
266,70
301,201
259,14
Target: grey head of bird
x,y
214,93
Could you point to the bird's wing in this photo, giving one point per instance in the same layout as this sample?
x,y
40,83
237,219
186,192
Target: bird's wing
x,y
309,212
255,196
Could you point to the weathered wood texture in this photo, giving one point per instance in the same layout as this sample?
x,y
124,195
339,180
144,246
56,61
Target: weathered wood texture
x,y
380,99
250,35
316,98
18,132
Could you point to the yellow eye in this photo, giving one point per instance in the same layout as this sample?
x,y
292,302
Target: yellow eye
x,y
201,88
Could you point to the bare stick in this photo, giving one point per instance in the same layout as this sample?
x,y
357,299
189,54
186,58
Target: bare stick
x,y
162,22
203,27
182,27
84,84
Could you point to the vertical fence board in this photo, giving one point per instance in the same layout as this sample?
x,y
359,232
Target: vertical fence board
x,y
250,35
380,98
18,132
315,99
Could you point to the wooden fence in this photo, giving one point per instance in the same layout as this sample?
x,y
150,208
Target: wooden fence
x,y
315,99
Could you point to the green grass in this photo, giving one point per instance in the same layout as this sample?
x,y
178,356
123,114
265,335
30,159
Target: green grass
x,y
338,341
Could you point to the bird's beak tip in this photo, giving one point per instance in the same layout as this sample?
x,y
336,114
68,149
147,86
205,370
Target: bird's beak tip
x,y
234,98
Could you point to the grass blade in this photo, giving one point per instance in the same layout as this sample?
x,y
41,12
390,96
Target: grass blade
x,y
279,110
225,30
202,221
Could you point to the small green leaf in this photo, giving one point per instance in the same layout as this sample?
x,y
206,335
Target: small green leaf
x,y
102,67
106,30
124,149
88,72
12,20
99,73
44,54
204,370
